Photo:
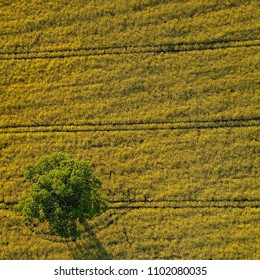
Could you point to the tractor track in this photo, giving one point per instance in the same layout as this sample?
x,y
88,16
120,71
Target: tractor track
x,y
186,204
242,119
121,208
175,204
135,49
108,127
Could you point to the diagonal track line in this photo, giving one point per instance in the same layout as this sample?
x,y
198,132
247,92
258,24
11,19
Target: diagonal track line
x,y
125,47
239,123
243,119
186,204
221,203
122,50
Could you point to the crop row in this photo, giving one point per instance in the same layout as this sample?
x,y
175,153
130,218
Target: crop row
x,y
135,89
184,234
66,25
146,165
143,234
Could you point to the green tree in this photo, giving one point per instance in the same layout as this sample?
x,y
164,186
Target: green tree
x,y
64,192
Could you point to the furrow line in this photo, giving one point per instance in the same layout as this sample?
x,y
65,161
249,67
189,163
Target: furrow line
x,y
164,48
136,128
171,204
180,204
125,47
30,126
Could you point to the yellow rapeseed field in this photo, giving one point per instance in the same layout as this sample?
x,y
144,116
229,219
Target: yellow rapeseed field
x,y
162,97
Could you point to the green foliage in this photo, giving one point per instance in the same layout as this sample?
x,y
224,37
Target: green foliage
x,y
64,191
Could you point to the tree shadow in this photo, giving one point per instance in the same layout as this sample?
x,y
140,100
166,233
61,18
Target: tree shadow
x,y
88,247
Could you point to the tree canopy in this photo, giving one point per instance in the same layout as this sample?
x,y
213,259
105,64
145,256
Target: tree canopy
x,y
64,192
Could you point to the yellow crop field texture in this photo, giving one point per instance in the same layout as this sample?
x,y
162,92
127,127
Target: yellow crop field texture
x,y
162,97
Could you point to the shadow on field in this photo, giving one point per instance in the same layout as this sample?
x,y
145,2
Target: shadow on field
x,y
88,247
